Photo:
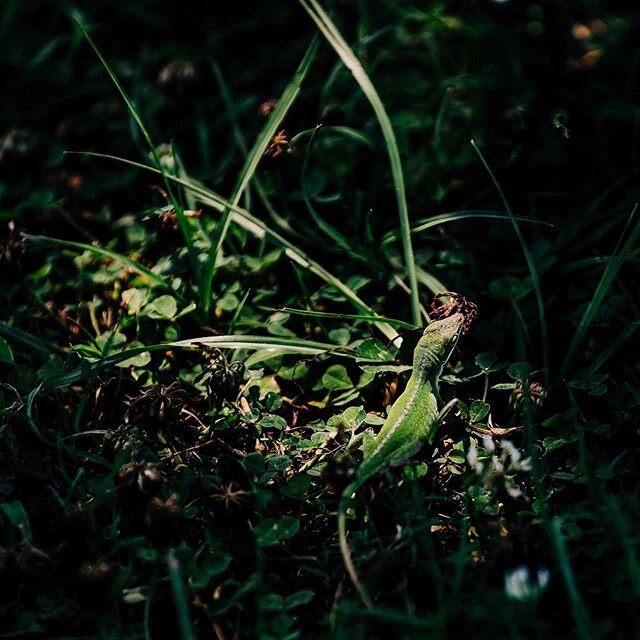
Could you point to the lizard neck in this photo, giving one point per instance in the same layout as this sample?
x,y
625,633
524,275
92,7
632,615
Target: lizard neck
x,y
427,365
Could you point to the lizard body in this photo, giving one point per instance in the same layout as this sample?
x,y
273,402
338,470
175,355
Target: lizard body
x,y
412,421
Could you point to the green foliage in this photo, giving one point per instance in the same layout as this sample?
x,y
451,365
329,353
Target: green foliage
x,y
189,373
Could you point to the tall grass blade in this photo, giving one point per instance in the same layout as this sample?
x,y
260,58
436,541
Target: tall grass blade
x,y
617,343
626,538
403,285
577,606
179,593
181,218
282,222
401,324
608,277
248,169
535,280
335,39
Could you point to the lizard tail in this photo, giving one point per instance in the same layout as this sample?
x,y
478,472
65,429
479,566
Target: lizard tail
x,y
344,545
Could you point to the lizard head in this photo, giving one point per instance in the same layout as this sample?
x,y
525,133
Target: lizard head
x,y
437,344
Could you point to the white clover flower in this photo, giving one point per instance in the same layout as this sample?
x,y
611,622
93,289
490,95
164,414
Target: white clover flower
x,y
525,465
498,467
473,460
488,444
512,488
166,156
512,451
519,584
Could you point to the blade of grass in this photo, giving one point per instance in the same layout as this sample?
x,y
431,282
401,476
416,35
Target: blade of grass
x,y
430,281
335,39
31,419
622,337
9,10
336,236
348,316
255,226
23,338
181,218
108,253
535,280
358,251
577,606
427,223
348,132
608,277
179,597
620,340
614,513
281,345
388,616
283,223
423,311
424,277
238,311
248,169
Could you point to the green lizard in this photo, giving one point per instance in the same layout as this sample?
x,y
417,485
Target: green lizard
x,y
411,422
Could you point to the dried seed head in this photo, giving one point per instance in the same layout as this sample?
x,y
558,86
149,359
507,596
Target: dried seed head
x,y
139,477
278,144
267,107
457,303
99,572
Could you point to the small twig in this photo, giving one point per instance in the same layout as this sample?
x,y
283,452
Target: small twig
x,y
202,445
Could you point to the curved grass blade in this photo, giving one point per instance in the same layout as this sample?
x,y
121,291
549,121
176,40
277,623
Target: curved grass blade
x,y
348,132
335,39
181,218
608,277
248,169
427,223
31,419
430,281
258,228
535,280
288,345
276,344
107,253
617,343
23,338
401,324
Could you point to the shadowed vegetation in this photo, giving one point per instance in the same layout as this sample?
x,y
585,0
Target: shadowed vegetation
x,y
211,300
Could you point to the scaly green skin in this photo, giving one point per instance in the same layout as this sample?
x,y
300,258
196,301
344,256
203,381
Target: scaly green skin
x,y
412,421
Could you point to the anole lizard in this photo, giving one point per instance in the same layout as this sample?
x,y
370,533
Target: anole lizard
x,y
411,422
